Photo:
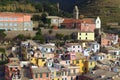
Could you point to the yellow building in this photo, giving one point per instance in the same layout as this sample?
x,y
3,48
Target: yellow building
x,y
55,74
79,63
86,36
89,65
38,61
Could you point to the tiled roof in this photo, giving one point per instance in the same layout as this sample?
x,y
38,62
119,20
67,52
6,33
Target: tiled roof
x,y
40,70
85,20
13,64
9,14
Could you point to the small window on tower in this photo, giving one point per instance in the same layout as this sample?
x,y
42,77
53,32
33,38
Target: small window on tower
x,y
97,21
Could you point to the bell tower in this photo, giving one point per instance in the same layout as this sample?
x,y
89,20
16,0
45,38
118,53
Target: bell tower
x,y
76,12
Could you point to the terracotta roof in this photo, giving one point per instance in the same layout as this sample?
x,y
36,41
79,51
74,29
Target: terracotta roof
x,y
41,70
9,14
85,20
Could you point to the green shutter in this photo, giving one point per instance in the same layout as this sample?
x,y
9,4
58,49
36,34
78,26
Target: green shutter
x,y
47,75
36,75
40,75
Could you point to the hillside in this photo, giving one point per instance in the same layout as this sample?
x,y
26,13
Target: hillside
x,y
109,10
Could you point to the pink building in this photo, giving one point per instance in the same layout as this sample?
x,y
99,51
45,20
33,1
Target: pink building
x,y
15,21
12,71
40,73
86,24
72,55
109,39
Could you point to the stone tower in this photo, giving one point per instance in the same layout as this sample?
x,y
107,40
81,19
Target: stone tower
x,y
76,13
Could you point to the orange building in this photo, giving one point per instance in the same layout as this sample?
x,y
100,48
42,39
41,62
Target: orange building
x,y
86,24
15,21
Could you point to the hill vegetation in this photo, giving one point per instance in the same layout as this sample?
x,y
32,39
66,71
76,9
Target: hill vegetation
x,y
108,10
31,6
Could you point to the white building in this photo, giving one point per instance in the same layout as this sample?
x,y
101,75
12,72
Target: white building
x,y
55,20
98,23
73,47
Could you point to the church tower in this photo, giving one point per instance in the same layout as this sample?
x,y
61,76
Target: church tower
x,y
76,13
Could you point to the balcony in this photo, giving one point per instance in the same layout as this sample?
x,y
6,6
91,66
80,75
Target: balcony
x,y
16,77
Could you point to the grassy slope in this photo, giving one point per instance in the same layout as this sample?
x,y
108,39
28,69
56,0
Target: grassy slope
x,y
109,10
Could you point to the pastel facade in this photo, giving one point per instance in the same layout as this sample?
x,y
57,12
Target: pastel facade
x,y
72,55
38,61
109,39
85,36
89,65
86,24
47,48
99,57
55,20
40,73
105,42
55,74
72,72
12,71
95,47
79,63
15,21
73,47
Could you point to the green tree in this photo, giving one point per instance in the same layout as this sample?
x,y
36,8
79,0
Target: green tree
x,y
50,31
2,34
59,36
66,37
20,37
36,18
73,36
39,36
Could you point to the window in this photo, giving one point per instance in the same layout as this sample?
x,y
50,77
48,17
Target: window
x,y
43,59
73,46
77,61
11,24
68,72
10,69
36,75
40,75
6,24
86,37
80,38
71,78
80,33
51,49
43,55
1,24
65,78
74,71
90,63
15,24
86,33
62,73
78,50
47,75
78,46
